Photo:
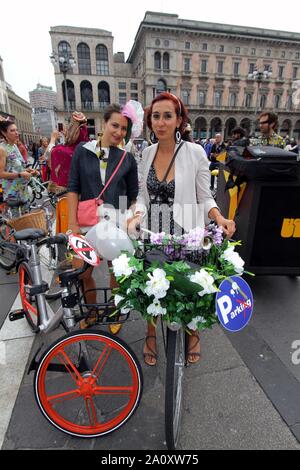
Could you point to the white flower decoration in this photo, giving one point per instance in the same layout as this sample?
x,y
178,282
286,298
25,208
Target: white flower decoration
x,y
193,325
234,258
121,266
158,284
205,280
126,308
156,309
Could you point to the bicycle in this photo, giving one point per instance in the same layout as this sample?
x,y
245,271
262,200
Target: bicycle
x,y
73,384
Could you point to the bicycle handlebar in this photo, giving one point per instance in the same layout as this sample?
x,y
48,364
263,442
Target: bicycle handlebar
x,y
59,239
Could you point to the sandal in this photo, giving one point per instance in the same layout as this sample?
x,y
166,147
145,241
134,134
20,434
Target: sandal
x,y
192,356
151,355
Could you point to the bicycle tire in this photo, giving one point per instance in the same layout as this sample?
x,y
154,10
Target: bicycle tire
x,y
8,253
29,305
176,361
73,399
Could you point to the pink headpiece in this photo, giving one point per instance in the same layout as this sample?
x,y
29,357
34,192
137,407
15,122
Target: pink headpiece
x,y
134,111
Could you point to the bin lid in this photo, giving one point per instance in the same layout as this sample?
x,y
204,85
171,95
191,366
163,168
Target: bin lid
x,y
268,153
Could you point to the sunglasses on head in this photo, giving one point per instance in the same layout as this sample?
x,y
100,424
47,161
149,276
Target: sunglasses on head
x,y
263,122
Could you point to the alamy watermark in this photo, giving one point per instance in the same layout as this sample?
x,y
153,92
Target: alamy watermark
x,y
296,352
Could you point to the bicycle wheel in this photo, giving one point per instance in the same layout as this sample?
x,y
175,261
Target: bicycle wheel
x,y
8,249
176,353
88,384
28,302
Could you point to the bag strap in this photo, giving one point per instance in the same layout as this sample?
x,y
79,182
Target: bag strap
x,y
113,174
172,161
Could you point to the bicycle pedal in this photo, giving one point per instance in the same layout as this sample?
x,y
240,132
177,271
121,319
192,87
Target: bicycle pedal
x,y
16,315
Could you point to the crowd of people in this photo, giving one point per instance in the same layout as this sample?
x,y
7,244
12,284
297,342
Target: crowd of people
x,y
171,190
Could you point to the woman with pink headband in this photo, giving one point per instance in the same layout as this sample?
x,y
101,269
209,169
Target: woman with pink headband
x,y
92,165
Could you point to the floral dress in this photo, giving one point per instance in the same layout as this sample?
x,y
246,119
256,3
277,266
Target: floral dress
x,y
16,189
160,214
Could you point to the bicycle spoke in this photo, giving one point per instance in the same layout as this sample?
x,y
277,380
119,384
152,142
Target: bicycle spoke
x,y
62,397
67,362
101,363
91,411
113,390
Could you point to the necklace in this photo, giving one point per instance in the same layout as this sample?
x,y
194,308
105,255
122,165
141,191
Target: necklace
x,y
102,158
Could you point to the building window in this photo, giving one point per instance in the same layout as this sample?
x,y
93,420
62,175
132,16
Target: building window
x,y
102,60
221,48
185,97
202,98
161,86
86,93
103,94
248,100
237,50
187,65
220,66
204,47
157,42
187,45
64,50
122,85
166,61
253,51
203,66
71,95
267,68
84,59
263,101
236,69
295,72
280,71
233,100
166,43
282,54
297,55
157,61
133,86
289,103
277,101
268,53
251,67
122,98
218,99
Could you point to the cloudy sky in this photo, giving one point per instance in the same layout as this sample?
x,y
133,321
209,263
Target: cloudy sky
x,y
25,43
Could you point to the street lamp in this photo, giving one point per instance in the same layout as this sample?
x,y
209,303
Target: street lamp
x,y
259,77
66,63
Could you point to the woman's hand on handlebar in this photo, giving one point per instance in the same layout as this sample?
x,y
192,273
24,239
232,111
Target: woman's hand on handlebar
x,y
75,228
26,175
133,226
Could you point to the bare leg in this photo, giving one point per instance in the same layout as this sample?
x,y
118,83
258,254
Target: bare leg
x,y
194,347
149,351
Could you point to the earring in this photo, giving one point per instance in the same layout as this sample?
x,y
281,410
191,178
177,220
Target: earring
x,y
177,136
153,137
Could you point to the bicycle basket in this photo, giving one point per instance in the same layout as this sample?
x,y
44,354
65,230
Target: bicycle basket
x,y
35,219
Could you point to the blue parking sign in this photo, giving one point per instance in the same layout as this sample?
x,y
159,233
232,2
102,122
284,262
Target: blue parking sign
x,y
234,303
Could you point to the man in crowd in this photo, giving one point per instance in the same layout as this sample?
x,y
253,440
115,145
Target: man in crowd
x,y
268,122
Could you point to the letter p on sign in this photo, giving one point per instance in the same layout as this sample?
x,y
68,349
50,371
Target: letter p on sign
x,y
225,307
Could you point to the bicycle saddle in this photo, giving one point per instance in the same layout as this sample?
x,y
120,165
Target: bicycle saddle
x,y
29,234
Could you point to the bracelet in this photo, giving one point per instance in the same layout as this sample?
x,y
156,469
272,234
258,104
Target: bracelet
x,y
19,175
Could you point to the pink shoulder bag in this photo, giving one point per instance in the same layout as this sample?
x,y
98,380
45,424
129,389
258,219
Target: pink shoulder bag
x,y
87,212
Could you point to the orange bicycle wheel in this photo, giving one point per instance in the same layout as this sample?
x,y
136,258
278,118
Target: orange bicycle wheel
x,y
28,302
88,384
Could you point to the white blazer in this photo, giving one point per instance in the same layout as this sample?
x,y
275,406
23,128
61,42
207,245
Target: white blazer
x,y
193,199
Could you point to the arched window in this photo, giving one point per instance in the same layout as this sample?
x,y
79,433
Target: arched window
x,y
69,103
64,50
103,94
166,61
289,103
161,86
185,97
248,100
263,101
277,101
157,61
218,99
102,67
84,59
233,100
86,93
202,98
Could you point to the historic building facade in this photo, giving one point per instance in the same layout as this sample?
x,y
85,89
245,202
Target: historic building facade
x,y
206,64
43,101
